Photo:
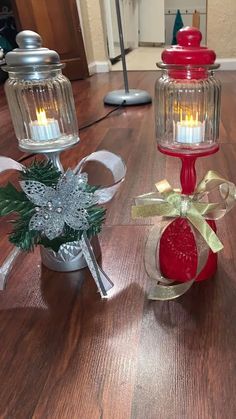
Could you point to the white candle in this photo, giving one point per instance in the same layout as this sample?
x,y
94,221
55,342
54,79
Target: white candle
x,y
44,129
190,131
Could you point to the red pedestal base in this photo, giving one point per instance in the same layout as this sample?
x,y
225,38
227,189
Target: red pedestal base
x,y
178,252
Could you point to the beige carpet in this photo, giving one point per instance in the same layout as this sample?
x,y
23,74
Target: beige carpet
x,y
142,58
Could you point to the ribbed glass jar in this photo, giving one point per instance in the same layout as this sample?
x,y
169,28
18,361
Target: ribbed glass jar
x,y
187,113
42,110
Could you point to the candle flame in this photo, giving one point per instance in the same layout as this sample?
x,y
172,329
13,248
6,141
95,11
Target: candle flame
x,y
189,119
41,117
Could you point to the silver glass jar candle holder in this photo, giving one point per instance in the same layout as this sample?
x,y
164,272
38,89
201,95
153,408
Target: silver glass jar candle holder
x,y
40,97
42,108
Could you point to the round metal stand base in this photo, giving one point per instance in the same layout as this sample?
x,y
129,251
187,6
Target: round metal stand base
x,y
133,97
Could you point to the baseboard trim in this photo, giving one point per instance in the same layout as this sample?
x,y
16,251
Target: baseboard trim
x,y
105,66
227,63
99,67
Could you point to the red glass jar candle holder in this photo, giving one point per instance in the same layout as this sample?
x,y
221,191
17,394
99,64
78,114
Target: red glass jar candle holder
x,y
187,98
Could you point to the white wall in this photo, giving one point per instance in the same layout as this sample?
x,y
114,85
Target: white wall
x,y
221,27
90,12
185,4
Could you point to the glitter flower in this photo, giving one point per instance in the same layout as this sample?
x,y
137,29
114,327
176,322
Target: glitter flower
x,y
67,203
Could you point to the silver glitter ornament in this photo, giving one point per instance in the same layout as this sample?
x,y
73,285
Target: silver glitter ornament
x,y
67,203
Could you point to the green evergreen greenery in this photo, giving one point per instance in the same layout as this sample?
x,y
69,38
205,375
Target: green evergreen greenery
x,y
14,201
42,171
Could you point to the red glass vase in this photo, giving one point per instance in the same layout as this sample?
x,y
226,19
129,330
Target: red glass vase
x,y
178,251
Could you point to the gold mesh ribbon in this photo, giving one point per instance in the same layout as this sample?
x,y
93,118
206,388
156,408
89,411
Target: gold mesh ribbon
x,y
169,202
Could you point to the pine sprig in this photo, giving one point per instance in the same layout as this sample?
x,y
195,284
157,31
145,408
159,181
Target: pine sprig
x,y
42,171
12,200
96,218
22,237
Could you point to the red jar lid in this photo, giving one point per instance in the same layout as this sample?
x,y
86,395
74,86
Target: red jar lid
x,y
188,52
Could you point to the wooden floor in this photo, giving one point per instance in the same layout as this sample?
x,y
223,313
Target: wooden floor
x,y
65,353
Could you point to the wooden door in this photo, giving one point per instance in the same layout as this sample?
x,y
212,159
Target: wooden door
x,y
57,21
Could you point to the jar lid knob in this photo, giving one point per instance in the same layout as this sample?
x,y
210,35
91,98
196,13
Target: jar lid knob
x,y
189,37
28,40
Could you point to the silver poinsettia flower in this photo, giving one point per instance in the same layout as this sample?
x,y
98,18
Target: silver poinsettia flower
x,y
67,203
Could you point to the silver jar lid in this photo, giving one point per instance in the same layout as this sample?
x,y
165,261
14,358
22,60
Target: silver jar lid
x,y
30,53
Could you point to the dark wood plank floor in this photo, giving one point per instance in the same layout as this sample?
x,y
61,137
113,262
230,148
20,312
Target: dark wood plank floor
x,y
65,353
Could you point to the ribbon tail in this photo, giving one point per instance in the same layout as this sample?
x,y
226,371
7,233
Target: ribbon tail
x,y
9,164
169,292
102,281
206,231
166,289
7,266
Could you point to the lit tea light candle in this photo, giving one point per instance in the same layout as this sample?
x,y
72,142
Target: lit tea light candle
x,y
44,129
189,131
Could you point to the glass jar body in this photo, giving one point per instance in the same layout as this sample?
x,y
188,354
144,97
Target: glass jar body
x,y
42,110
187,113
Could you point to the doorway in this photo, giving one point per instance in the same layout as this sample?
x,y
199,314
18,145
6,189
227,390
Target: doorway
x,y
148,28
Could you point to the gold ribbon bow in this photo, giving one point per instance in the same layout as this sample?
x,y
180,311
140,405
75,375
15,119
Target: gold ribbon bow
x,y
169,202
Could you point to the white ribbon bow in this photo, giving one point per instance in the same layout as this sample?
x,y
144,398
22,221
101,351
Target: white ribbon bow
x,y
117,168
